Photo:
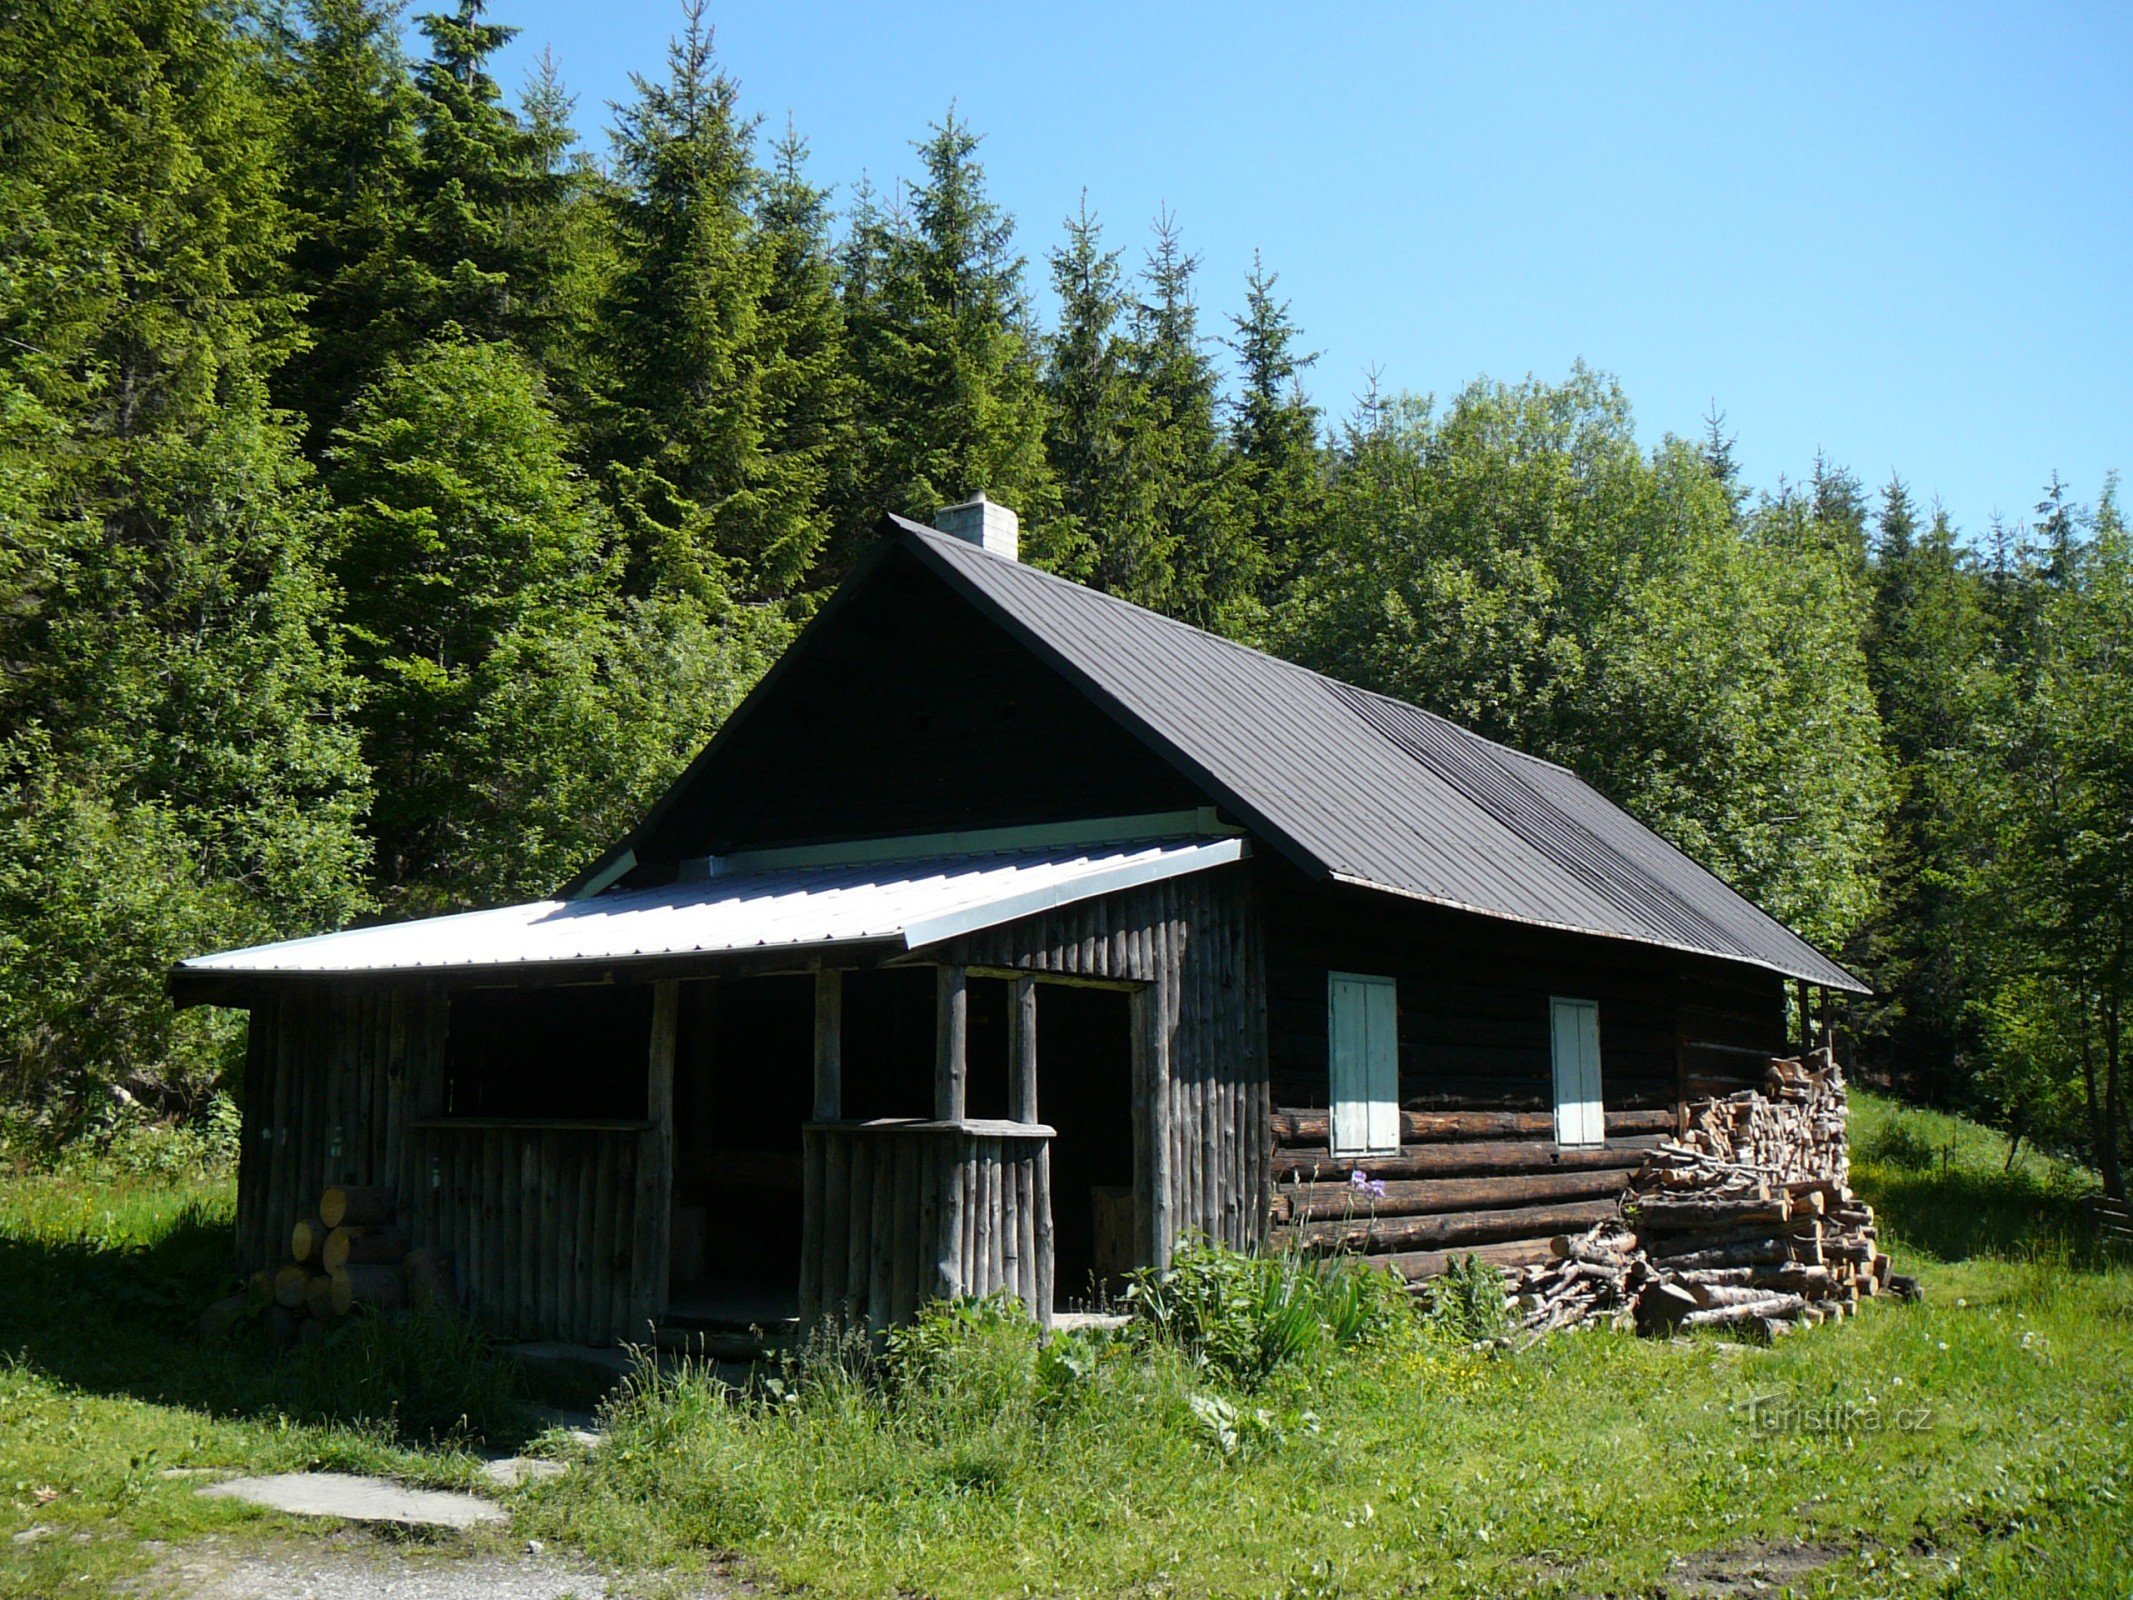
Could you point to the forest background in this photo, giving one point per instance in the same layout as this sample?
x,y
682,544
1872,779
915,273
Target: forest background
x,y
394,495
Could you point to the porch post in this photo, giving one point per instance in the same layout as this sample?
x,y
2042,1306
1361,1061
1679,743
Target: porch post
x,y
1022,1022
829,1044
951,1035
1022,1106
656,1187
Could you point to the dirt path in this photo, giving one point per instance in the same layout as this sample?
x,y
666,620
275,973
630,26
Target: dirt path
x,y
351,1564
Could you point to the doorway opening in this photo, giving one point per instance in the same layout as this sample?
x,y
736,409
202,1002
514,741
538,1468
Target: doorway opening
x,y
1085,1093
743,1086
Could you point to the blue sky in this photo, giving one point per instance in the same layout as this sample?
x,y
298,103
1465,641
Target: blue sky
x,y
1898,234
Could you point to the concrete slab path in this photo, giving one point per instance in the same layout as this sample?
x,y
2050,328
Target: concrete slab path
x,y
342,1494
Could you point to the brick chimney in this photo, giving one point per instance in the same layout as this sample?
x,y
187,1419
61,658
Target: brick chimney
x,y
989,526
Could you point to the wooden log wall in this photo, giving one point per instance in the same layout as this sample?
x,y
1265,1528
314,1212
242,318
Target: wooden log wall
x,y
1492,1182
1732,1022
1478,1167
1193,946
904,1212
556,1231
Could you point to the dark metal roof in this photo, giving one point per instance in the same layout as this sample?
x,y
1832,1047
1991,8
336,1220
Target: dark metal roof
x,y
1370,791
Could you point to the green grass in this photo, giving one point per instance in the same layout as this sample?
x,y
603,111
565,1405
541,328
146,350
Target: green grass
x,y
106,1387
1411,1465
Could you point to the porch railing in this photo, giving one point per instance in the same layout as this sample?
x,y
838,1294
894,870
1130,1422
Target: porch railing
x,y
899,1212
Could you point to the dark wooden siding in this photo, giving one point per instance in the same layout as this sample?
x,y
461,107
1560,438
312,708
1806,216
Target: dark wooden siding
x,y
554,1230
915,715
1476,1065
1202,1145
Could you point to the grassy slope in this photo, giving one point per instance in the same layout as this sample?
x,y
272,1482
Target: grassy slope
x,y
1583,1466
104,1387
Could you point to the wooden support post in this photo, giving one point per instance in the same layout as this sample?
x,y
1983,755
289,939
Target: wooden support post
x,y
658,1184
951,1037
829,1044
1151,1129
1022,1024
1799,995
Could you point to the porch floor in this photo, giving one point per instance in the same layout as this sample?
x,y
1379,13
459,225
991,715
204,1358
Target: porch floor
x,y
732,1308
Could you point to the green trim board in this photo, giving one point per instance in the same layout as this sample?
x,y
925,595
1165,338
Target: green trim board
x,y
1202,822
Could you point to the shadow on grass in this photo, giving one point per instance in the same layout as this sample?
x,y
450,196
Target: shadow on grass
x,y
1955,1213
124,1321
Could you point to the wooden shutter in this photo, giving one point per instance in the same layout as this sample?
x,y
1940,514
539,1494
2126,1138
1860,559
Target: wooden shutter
x,y
1580,1109
1363,1038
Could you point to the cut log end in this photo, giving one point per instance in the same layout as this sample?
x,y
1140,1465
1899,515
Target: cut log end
x,y
355,1204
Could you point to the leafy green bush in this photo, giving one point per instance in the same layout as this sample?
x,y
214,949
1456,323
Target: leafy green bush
x,y
1899,1143
1243,1316
1467,1300
966,1360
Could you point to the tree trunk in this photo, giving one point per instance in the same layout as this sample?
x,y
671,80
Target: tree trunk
x,y
2099,1134
2114,1103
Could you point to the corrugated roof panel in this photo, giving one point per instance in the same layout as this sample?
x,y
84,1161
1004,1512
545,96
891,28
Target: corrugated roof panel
x,y
1375,792
914,903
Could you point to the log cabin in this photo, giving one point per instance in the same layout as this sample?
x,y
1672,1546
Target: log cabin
x,y
1004,936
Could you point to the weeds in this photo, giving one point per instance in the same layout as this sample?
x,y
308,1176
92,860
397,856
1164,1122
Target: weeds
x,y
1243,1316
1467,1301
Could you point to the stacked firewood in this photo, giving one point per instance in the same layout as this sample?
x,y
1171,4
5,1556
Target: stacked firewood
x,y
347,1253
1743,1221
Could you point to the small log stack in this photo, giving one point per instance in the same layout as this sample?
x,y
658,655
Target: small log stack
x,y
347,1254
1743,1221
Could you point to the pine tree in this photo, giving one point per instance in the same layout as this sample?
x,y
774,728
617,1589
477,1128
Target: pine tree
x,y
350,135
1275,429
729,404
1107,533
478,570
1926,649
177,771
1195,481
945,352
809,392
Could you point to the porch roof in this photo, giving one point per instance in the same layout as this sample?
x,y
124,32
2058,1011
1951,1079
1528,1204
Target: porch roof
x,y
914,903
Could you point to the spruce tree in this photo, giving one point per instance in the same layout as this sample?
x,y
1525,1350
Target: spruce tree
x,y
1194,479
177,769
728,402
478,567
350,126
1097,418
1275,428
945,351
809,392
1927,654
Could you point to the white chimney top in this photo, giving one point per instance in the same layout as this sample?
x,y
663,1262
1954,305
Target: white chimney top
x,y
982,522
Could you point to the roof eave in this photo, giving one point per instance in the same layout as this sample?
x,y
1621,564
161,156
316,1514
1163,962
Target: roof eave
x,y
1844,980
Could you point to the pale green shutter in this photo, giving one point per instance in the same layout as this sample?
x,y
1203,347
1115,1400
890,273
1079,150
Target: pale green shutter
x,y
1580,1111
1363,1050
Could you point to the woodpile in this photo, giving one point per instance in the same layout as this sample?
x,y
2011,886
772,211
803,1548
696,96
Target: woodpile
x,y
347,1254
1744,1221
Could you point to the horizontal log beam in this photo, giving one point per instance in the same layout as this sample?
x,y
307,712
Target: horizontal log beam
x,y
1437,1231
1317,1202
1416,1265
1310,1126
1478,1159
